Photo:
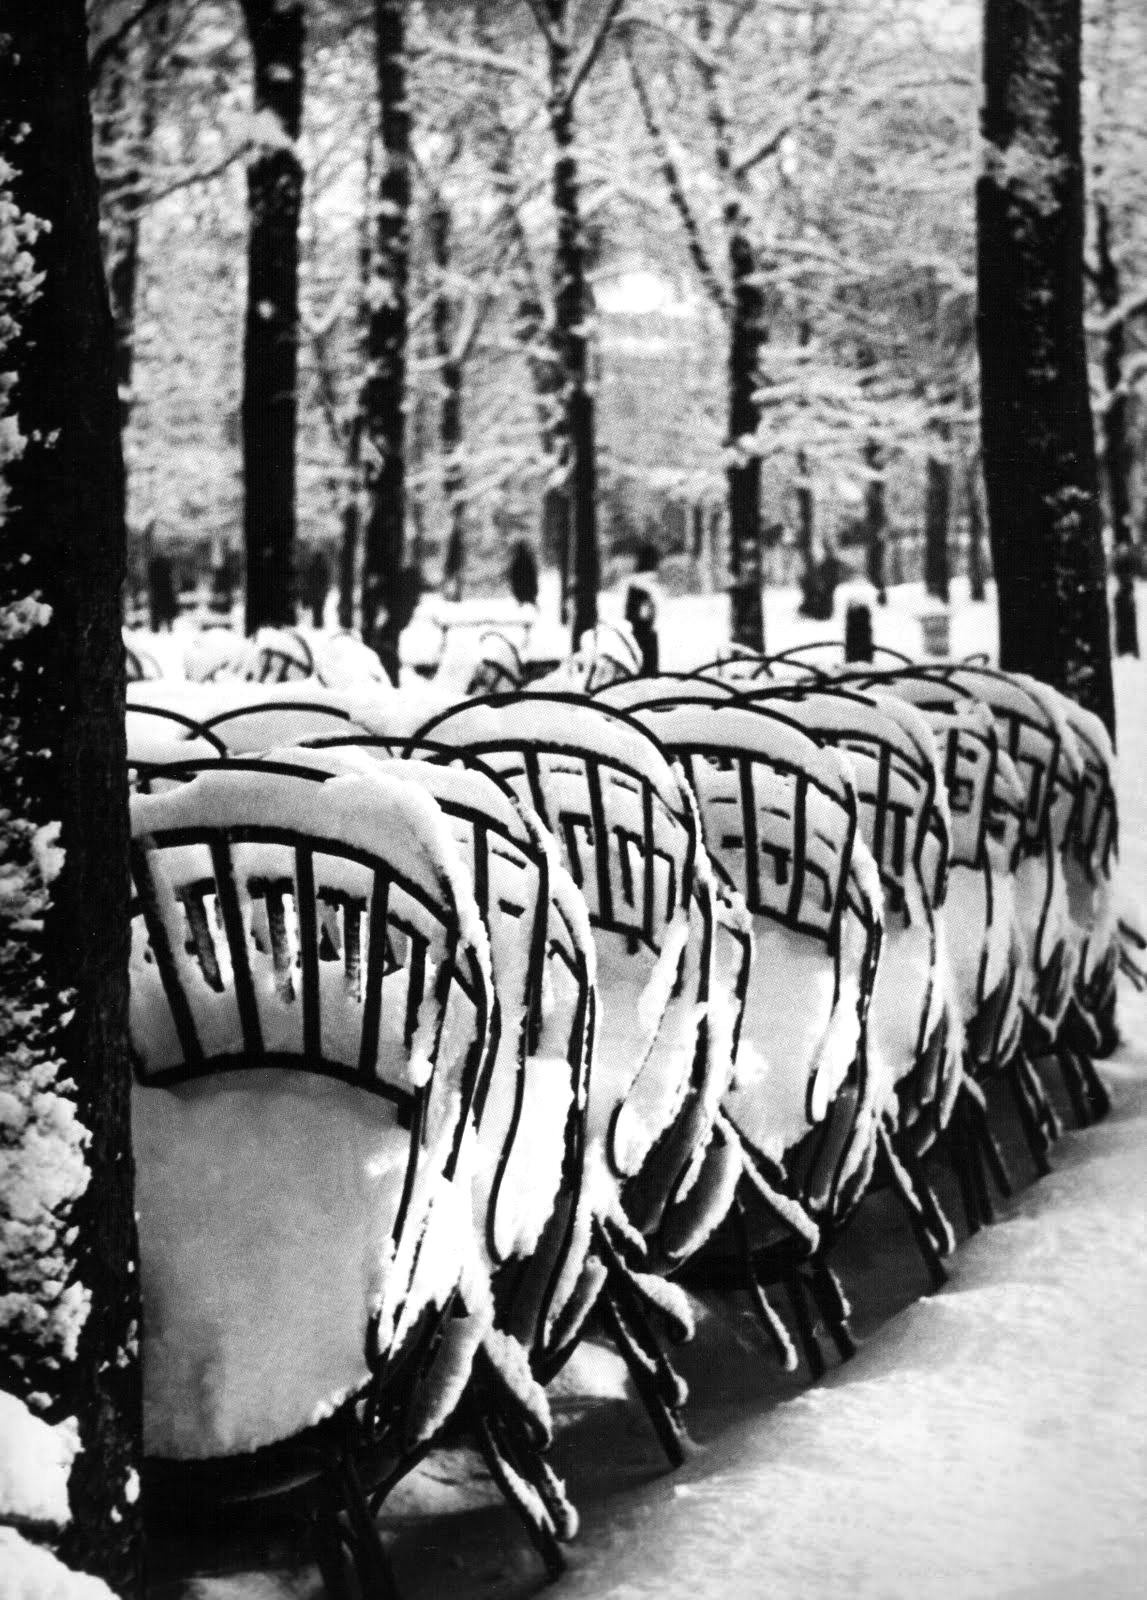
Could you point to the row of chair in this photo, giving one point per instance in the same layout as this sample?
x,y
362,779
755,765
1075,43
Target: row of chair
x,y
642,988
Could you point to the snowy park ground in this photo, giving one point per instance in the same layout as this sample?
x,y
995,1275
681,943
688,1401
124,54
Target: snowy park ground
x,y
990,1440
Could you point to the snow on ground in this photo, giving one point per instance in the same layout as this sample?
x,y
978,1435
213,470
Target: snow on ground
x,y
988,1441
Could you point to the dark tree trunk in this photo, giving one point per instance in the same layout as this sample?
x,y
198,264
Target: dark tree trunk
x,y
351,511
875,520
937,518
806,522
385,392
1116,446
747,336
571,308
122,206
977,575
270,353
63,703
1038,444
450,403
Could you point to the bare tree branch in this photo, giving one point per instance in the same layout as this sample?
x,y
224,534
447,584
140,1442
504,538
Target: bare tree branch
x,y
110,45
542,21
593,49
676,190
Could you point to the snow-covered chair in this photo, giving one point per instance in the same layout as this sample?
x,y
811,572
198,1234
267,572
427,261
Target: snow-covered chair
x,y
158,735
218,655
779,820
1090,862
607,653
267,724
659,1173
992,918
280,655
344,661
529,1200
738,666
311,1020
630,694
139,662
915,1031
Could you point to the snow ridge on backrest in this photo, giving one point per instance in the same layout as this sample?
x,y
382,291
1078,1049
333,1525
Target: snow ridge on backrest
x,y
632,693
895,788
244,729
604,790
766,790
319,932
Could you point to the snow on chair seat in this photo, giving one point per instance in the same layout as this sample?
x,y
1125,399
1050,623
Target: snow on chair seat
x,y
626,827
311,1012
779,819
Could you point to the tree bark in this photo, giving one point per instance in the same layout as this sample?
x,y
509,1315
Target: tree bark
x,y
937,518
875,520
1116,446
571,338
385,390
270,354
1038,443
62,691
977,576
450,402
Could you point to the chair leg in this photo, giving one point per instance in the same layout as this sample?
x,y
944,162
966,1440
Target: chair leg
x,y
1034,1135
830,1301
348,1549
510,1467
902,1186
814,1355
1044,1109
983,1143
769,1318
647,1368
1097,1095
963,1162
1075,1084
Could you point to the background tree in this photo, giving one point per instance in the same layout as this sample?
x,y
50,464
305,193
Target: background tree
x,y
68,1266
1038,447
270,364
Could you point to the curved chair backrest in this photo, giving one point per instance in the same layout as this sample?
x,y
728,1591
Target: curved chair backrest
x,y
778,815
160,734
283,923
281,655
1094,837
602,787
498,669
740,666
139,662
271,724
631,693
896,784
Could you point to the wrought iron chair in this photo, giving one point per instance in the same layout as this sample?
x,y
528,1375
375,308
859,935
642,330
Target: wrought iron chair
x,y
630,694
529,1196
312,1024
660,1176
1030,884
779,819
160,734
281,655
279,721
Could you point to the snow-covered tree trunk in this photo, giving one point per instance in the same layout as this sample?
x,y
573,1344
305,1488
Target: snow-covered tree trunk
x,y
1117,455
271,347
69,1302
384,394
1038,444
449,398
571,336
